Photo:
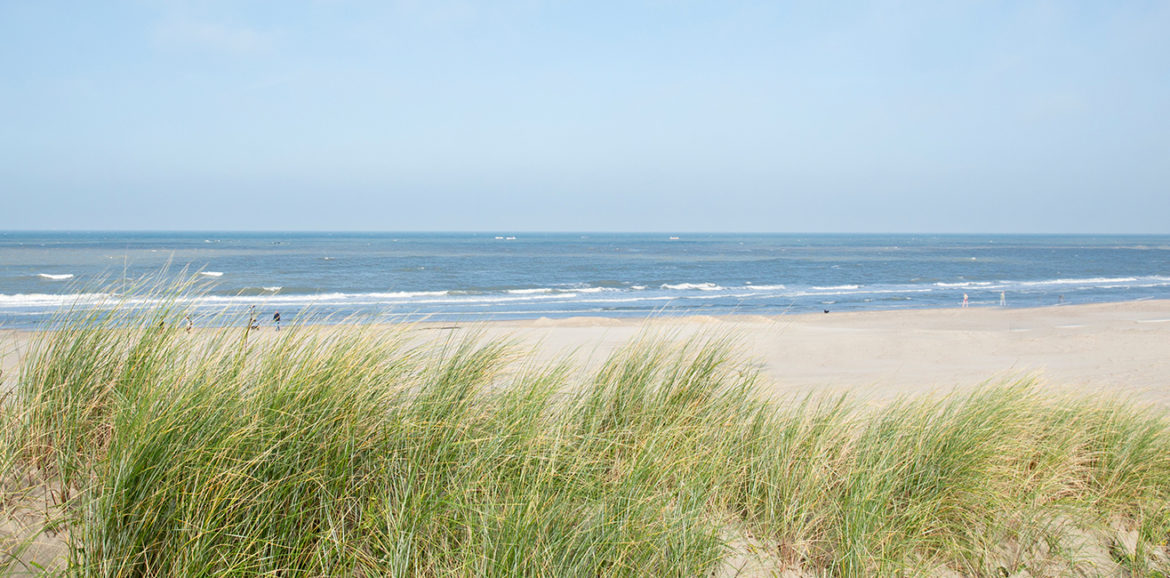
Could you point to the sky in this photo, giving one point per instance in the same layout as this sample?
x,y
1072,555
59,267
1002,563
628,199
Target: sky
x,y
941,117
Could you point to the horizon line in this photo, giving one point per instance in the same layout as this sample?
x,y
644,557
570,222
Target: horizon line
x,y
576,232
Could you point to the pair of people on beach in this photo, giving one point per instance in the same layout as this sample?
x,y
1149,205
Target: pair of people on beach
x,y
253,323
1002,299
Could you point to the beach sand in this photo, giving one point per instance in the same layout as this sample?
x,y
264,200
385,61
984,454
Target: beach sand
x,y
1115,349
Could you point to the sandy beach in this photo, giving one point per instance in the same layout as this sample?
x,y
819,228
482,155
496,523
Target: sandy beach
x,y
1115,349
1112,349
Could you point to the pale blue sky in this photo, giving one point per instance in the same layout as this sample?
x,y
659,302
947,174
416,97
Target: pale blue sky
x,y
635,116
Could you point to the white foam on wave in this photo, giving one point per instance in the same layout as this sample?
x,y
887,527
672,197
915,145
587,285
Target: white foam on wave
x,y
559,291
55,277
1085,281
49,300
406,294
437,298
627,299
964,284
596,290
538,291
334,298
836,288
691,287
765,287
211,273
273,289
822,293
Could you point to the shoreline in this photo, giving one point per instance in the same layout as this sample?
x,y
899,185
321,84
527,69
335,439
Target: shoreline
x,y
1119,348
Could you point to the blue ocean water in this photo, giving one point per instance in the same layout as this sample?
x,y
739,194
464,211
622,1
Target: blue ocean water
x,y
483,276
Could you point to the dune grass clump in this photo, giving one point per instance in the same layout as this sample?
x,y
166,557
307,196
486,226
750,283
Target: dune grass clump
x,y
355,450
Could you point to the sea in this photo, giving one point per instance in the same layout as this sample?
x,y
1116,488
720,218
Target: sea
x,y
380,277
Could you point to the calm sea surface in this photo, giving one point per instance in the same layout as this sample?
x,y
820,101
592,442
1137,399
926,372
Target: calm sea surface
x,y
469,276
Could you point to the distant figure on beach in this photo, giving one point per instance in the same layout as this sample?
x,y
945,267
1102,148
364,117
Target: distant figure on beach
x,y
252,322
964,301
190,324
1002,299
1060,299
276,320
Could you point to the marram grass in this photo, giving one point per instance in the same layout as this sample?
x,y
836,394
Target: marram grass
x,y
360,451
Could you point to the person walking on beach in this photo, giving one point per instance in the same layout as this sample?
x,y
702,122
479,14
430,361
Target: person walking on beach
x,y
1002,299
276,320
964,301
